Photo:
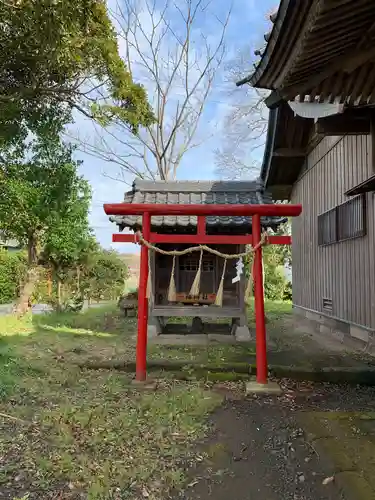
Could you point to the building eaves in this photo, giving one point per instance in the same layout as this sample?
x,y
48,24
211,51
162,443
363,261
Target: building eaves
x,y
322,52
269,146
285,152
272,38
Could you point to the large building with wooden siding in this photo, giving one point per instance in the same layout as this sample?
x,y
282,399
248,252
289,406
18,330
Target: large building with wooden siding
x,y
319,65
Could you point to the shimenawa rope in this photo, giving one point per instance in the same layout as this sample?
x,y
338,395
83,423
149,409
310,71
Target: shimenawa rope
x,y
204,248
194,291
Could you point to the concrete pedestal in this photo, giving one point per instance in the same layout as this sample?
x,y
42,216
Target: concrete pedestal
x,y
240,330
269,388
154,328
242,333
144,385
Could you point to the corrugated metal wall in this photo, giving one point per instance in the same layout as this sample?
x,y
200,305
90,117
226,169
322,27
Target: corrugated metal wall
x,y
342,272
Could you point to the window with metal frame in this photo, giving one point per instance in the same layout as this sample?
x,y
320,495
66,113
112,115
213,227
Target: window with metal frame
x,y
351,218
344,222
327,227
191,264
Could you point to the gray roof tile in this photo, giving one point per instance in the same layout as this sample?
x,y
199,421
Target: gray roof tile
x,y
196,192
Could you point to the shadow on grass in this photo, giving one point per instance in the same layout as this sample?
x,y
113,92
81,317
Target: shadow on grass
x,y
31,346
13,367
104,319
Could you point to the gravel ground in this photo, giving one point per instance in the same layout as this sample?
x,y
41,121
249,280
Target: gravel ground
x,y
259,449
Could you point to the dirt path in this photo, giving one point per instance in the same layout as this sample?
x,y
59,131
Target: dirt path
x,y
259,449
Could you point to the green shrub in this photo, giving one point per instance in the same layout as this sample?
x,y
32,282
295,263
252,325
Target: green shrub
x,y
288,292
274,282
13,266
12,271
103,277
40,295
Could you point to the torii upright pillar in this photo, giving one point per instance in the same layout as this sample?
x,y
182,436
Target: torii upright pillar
x,y
260,319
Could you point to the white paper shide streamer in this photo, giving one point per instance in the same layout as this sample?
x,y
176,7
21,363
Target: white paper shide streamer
x,y
239,268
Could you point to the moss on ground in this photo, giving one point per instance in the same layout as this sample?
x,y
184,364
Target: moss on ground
x,y
348,439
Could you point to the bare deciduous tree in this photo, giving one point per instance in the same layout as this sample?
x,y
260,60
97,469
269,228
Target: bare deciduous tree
x,y
244,127
175,51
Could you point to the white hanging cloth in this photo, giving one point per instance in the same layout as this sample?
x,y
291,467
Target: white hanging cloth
x,y
315,110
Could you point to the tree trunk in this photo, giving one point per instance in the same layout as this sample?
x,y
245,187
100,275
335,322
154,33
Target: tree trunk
x,y
49,278
24,301
59,301
23,304
78,278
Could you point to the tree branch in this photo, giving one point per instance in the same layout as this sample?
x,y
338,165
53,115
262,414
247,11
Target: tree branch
x,y
244,129
164,57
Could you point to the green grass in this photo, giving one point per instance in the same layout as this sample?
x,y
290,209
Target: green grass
x,y
275,310
69,434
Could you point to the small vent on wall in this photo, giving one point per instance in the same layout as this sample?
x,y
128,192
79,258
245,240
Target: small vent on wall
x,y
327,304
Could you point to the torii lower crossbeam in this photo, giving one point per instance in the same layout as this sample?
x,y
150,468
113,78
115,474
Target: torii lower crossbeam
x,y
201,211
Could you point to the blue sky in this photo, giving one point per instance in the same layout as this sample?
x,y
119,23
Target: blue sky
x,y
248,23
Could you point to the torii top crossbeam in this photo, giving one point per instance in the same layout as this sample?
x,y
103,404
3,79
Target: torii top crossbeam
x,y
279,210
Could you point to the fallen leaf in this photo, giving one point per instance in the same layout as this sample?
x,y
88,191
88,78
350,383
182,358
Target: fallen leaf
x,y
193,483
145,493
328,480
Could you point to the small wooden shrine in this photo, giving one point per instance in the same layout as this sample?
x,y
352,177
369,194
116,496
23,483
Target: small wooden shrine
x,y
213,278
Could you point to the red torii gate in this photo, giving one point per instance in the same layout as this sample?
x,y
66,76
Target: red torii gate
x,y
201,211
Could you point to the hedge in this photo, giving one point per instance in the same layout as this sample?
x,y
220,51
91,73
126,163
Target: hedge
x,y
103,279
12,270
